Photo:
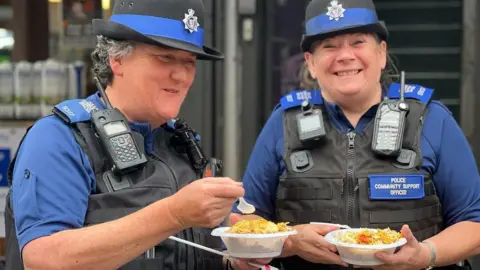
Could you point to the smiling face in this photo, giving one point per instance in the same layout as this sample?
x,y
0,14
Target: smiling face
x,y
153,82
348,65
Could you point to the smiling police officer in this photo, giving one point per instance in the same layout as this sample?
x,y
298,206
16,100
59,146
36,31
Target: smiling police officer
x,y
99,188
358,154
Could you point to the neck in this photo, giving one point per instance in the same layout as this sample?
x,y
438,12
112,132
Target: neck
x,y
125,106
355,107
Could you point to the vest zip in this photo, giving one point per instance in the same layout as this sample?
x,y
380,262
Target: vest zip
x,y
350,180
184,234
350,177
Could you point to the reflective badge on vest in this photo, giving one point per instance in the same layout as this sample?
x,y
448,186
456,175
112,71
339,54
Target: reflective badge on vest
x,y
396,187
295,98
414,91
76,110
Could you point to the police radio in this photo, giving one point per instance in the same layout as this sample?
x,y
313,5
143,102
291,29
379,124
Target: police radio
x,y
310,123
115,136
390,124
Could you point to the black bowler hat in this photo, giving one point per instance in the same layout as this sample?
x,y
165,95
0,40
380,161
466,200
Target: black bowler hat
x,y
327,18
173,23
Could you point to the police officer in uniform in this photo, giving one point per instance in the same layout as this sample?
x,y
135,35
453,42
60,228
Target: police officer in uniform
x,y
301,171
77,204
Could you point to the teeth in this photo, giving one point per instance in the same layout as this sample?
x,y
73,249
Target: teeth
x,y
347,73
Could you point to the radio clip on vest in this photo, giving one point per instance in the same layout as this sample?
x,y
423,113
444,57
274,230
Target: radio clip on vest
x,y
310,124
116,137
390,124
186,137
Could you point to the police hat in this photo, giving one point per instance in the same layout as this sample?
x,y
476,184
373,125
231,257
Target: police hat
x,y
327,18
177,24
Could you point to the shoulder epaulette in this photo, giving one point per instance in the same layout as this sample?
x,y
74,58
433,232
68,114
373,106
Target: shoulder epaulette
x,y
414,91
74,110
295,98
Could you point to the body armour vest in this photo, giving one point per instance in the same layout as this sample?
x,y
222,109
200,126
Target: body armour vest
x,y
342,181
166,171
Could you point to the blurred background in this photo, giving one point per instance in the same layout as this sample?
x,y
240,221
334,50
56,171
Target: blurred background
x,y
45,51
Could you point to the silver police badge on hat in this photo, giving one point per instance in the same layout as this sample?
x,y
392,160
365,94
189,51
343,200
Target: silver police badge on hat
x,y
190,21
335,11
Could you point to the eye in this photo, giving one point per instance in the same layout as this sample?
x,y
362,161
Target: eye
x,y
166,58
358,41
190,63
328,45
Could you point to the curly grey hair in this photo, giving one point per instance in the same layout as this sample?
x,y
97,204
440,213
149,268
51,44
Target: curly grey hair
x,y
105,48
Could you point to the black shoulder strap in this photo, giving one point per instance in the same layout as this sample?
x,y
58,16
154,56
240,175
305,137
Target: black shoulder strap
x,y
85,137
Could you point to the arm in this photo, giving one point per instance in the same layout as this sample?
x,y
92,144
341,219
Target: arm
x,y
264,168
105,246
458,186
51,184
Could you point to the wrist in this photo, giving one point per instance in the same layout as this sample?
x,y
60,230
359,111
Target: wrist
x,y
173,214
429,252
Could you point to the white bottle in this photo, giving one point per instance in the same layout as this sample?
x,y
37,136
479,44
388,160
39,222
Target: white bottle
x,y
38,91
6,91
23,88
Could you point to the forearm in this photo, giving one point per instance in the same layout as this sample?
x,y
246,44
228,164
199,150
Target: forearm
x,y
457,242
104,246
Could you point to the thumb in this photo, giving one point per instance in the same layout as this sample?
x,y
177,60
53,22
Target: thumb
x,y
324,229
234,218
407,233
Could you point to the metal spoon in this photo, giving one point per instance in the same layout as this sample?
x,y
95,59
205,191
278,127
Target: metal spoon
x,y
245,207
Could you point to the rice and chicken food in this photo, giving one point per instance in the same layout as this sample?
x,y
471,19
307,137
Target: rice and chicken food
x,y
359,246
255,238
258,226
370,237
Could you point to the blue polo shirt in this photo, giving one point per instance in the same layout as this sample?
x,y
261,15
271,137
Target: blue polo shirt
x,y
53,177
446,155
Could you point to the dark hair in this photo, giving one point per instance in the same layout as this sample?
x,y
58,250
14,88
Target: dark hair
x,y
390,73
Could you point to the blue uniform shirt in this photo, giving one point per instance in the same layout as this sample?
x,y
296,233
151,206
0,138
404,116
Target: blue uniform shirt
x,y
446,155
53,178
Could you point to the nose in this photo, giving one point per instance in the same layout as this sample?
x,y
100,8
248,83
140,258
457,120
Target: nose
x,y
179,73
345,54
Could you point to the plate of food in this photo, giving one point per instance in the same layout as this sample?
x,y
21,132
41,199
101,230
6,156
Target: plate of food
x,y
358,246
255,238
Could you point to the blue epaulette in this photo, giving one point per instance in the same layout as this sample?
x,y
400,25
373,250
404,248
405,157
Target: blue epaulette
x,y
413,91
295,98
74,110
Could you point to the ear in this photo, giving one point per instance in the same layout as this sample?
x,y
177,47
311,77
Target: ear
x,y
383,54
116,66
310,62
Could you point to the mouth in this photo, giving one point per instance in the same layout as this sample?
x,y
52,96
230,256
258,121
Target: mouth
x,y
171,91
348,73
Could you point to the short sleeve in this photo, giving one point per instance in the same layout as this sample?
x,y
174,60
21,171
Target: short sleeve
x,y
52,181
456,174
264,167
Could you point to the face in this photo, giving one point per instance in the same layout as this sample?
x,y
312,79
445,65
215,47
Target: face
x,y
153,82
347,65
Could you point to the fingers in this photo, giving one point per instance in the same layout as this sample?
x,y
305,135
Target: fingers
x,y
242,264
322,243
222,181
224,189
322,255
323,229
234,218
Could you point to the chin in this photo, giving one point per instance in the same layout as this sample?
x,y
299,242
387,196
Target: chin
x,y
350,92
